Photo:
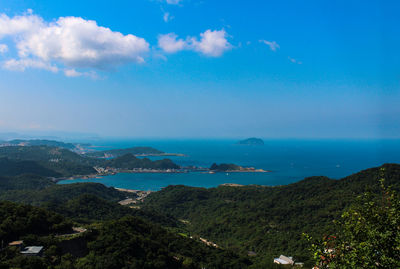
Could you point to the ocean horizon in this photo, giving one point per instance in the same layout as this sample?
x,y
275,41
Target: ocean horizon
x,y
288,160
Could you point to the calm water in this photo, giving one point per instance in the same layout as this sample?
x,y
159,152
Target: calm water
x,y
289,161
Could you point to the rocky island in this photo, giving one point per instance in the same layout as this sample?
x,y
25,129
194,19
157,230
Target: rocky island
x,y
251,141
230,167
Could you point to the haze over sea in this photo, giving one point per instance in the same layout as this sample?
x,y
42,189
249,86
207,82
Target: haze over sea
x,y
288,160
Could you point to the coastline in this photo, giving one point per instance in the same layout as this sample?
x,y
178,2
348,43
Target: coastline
x,y
156,171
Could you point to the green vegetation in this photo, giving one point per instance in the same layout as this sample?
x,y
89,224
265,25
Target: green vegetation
x,y
59,194
120,152
133,243
17,167
223,167
129,161
366,236
123,241
23,182
62,161
268,220
43,154
165,230
41,142
58,162
20,220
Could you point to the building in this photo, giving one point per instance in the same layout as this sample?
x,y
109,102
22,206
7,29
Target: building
x,y
18,244
284,260
32,251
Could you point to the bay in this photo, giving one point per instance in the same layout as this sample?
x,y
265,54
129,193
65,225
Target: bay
x,y
289,160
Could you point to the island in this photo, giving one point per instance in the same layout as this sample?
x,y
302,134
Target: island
x,y
230,167
251,141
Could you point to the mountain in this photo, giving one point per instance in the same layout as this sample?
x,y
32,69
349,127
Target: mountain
x,y
63,161
56,162
41,142
251,141
23,182
121,242
19,167
223,167
129,161
174,227
268,220
120,152
29,220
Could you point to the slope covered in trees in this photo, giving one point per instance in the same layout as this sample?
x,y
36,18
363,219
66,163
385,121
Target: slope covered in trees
x,y
40,142
56,162
268,220
120,152
125,242
366,236
59,194
19,167
129,161
19,220
22,183
62,161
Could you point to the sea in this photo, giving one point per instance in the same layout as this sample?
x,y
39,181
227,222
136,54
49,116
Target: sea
x,y
288,160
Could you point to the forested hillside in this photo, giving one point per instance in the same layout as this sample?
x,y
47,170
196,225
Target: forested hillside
x,y
49,161
128,242
120,152
165,230
129,161
268,220
116,236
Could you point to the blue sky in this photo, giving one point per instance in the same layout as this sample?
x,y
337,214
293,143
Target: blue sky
x,y
188,68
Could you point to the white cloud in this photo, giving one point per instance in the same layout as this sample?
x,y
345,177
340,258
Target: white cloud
x,y
74,73
211,43
294,61
69,41
170,43
173,2
272,44
22,64
19,24
3,48
167,17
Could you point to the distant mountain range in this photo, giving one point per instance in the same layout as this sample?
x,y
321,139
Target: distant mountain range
x,y
119,152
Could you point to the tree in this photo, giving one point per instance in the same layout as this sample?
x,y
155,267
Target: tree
x,y
369,234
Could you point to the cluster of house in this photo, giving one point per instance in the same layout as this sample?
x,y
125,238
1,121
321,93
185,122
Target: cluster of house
x,y
27,250
287,261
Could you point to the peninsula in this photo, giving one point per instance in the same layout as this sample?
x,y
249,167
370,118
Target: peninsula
x,y
136,151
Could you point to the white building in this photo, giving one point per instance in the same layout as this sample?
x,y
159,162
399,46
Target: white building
x,y
284,260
